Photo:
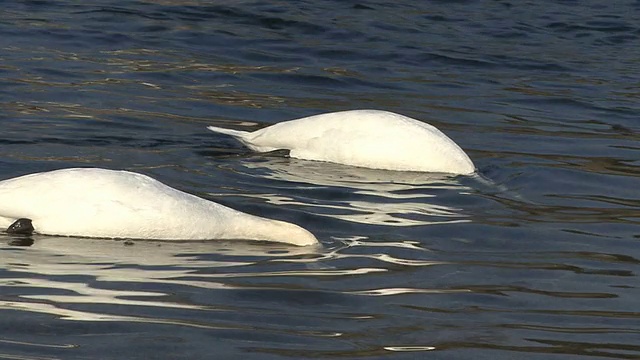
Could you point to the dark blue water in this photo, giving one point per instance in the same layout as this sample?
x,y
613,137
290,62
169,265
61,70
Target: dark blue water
x,y
538,259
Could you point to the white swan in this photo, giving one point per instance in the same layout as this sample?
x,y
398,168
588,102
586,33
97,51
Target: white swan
x,y
367,138
92,202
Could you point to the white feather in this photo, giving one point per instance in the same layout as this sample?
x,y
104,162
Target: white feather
x,y
91,202
367,138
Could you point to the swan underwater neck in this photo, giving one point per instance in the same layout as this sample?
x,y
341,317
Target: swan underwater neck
x,y
365,138
101,203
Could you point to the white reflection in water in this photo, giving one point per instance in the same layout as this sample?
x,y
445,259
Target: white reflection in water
x,y
406,244
401,291
76,315
71,271
378,197
54,273
409,348
82,293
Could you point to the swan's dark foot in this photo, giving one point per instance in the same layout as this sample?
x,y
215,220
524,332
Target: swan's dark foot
x,y
21,227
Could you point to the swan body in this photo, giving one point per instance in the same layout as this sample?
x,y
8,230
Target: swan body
x,y
92,202
366,138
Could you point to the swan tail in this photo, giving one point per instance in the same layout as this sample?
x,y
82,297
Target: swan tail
x,y
238,134
245,137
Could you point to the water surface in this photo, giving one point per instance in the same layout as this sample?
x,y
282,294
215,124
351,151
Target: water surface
x,y
536,257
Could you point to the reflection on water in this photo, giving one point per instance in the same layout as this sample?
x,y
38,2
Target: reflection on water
x,y
360,195
59,271
95,280
76,267
345,291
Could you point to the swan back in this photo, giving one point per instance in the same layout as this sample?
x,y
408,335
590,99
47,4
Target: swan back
x,y
121,204
367,138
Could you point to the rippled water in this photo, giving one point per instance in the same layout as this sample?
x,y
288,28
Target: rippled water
x,y
537,257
